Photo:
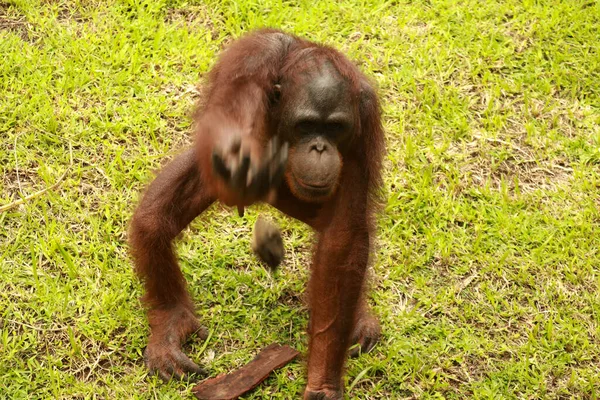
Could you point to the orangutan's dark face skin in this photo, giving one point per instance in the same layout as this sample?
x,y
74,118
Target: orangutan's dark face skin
x,y
316,121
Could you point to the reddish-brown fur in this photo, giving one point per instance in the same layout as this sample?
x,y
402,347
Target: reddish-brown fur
x,y
238,101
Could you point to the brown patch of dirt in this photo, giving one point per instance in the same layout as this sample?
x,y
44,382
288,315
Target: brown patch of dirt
x,y
193,17
12,21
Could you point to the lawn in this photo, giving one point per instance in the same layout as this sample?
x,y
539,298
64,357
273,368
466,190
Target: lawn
x,y
487,267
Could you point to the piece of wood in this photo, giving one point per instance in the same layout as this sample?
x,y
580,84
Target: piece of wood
x,y
231,386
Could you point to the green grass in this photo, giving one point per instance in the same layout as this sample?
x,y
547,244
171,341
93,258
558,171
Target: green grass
x,y
488,264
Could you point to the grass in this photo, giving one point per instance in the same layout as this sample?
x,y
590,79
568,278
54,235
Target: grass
x,y
488,265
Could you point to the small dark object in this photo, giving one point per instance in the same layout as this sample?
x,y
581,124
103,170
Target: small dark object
x,y
236,383
267,243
